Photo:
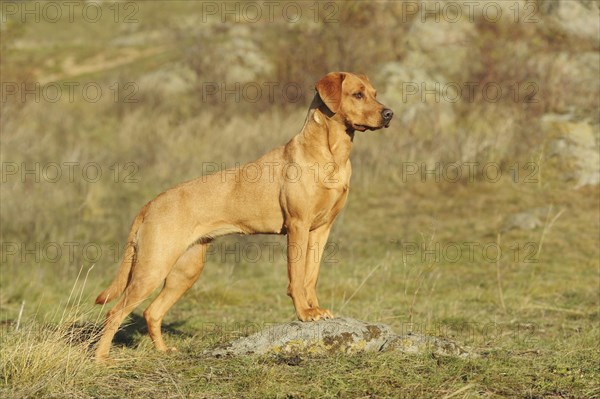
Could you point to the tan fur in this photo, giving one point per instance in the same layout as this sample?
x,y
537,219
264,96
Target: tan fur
x,y
301,188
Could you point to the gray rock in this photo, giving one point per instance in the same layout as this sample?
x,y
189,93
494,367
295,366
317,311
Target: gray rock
x,y
340,335
171,79
575,143
579,18
568,80
418,343
417,111
442,46
522,221
527,220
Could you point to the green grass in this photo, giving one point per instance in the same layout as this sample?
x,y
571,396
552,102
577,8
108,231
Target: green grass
x,y
544,344
533,316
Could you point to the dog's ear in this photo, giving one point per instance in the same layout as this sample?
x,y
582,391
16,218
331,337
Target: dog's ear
x,y
330,90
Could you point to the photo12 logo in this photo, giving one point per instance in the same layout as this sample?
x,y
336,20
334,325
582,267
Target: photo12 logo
x,y
270,11
468,252
453,11
472,332
70,11
74,252
291,172
69,172
53,92
71,252
469,92
453,172
251,92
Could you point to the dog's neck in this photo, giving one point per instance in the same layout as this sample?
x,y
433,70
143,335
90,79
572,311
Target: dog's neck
x,y
332,133
317,103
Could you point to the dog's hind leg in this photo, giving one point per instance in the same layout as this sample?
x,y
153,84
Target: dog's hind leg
x,y
151,268
183,275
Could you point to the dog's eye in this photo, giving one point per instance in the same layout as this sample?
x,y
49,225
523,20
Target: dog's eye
x,y
358,95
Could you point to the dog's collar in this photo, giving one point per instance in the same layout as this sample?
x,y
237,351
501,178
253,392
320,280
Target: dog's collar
x,y
330,114
319,104
325,110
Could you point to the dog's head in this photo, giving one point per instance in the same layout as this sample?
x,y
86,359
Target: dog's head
x,y
352,99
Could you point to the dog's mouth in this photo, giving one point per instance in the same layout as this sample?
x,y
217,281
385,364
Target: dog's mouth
x,y
362,128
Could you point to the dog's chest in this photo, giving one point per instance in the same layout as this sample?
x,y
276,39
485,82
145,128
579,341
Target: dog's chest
x,y
329,204
331,197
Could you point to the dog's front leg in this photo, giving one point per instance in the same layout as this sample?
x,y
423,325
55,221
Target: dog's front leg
x,y
297,238
317,239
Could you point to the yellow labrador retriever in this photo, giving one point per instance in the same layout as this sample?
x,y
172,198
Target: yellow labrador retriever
x,y
297,189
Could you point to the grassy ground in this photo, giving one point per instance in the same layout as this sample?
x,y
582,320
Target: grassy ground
x,y
535,325
417,254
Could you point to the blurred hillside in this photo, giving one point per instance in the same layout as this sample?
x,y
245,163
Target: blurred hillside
x,y
153,93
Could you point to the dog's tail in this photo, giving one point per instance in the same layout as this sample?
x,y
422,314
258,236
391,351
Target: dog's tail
x,y
119,284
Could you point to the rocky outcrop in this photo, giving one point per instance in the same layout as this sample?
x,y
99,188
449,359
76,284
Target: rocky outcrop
x,y
579,18
441,46
568,80
575,145
169,80
419,99
340,335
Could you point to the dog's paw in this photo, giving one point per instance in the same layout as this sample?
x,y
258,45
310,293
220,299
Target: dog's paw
x,y
104,359
314,314
166,349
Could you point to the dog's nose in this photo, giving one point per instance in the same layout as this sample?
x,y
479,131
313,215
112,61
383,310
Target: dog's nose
x,y
387,114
